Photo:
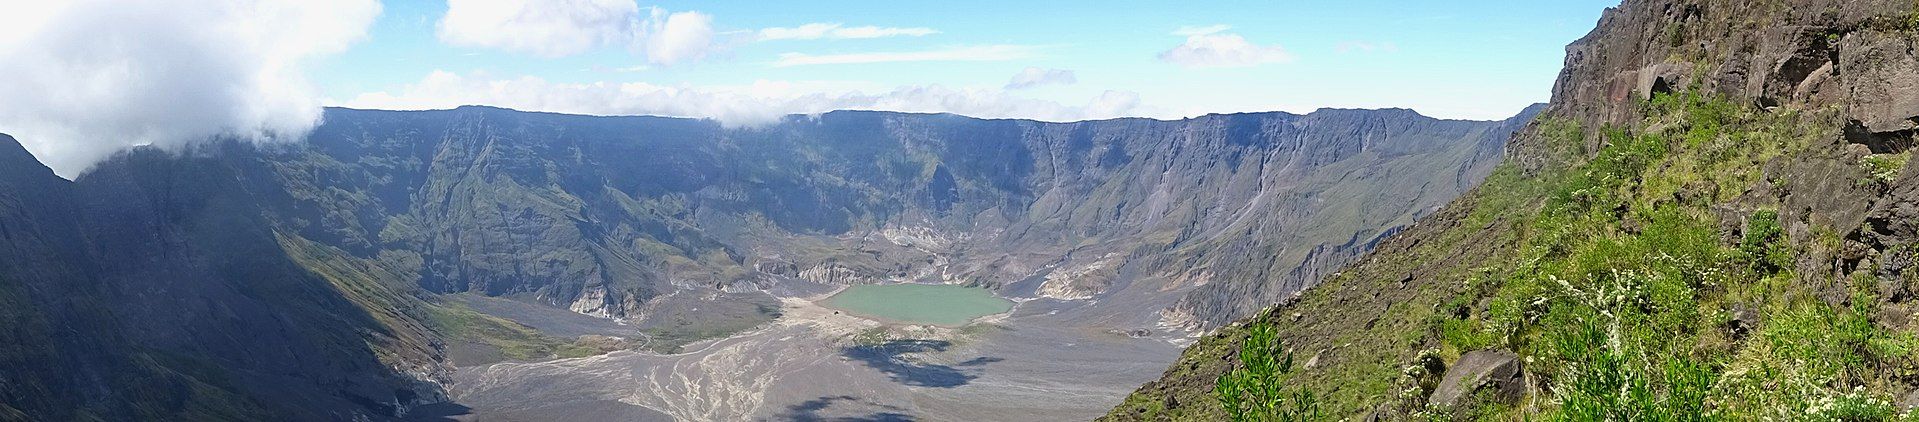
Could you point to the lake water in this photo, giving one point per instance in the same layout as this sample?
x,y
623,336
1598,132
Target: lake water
x,y
936,304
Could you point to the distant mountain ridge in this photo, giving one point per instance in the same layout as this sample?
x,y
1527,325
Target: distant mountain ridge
x,y
943,185
225,281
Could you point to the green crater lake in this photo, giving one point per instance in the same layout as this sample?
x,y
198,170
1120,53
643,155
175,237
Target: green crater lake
x,y
936,304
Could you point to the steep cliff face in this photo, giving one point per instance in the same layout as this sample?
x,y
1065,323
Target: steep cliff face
x,y
635,217
44,293
1716,187
1288,245
145,292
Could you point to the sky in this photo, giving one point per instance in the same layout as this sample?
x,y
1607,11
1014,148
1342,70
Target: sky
x,y
96,76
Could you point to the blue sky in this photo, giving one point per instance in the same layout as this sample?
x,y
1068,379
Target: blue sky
x,y
87,78
1479,60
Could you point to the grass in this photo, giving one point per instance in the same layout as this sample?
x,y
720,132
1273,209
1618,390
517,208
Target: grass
x,y
1619,303
515,341
1612,273
401,314
1884,167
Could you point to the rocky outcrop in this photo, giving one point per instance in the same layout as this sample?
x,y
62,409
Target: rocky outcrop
x,y
1853,55
834,275
1496,372
1082,282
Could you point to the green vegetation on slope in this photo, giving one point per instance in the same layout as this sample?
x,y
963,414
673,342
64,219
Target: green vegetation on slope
x,y
1624,290
1654,281
1256,391
512,340
405,319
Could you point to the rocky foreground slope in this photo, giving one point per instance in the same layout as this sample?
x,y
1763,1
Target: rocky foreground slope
x,y
1713,219
307,281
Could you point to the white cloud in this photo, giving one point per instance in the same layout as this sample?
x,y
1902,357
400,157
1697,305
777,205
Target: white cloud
x,y
86,78
959,54
558,28
1212,47
814,31
757,103
1120,103
549,29
1033,77
678,37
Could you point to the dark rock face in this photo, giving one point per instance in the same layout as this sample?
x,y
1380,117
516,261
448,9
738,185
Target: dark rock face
x,y
1854,55
237,280
123,303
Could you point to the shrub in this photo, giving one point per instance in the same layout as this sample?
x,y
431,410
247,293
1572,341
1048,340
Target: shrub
x,y
1255,391
1884,167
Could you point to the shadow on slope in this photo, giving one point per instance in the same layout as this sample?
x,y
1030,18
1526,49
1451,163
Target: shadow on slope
x,y
890,358
813,411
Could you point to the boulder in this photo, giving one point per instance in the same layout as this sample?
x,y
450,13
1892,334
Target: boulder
x,y
1741,322
1883,83
1495,370
1385,412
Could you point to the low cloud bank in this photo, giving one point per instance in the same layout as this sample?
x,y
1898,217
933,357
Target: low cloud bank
x,y
757,103
86,78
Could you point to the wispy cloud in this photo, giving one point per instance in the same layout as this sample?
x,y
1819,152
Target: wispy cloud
x,y
1033,77
566,28
552,30
761,102
982,53
1213,47
814,31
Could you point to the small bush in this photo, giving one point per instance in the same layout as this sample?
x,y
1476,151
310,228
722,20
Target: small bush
x,y
1762,240
1884,167
1256,390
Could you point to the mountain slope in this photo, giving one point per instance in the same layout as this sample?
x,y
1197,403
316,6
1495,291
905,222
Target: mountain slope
x,y
1710,220
119,309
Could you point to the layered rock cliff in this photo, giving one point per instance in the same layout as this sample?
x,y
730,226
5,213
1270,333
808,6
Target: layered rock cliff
x,y
624,217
